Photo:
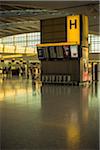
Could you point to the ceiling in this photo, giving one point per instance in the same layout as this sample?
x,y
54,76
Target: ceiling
x,y
24,16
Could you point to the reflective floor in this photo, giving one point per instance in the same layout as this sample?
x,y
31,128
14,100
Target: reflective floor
x,y
49,117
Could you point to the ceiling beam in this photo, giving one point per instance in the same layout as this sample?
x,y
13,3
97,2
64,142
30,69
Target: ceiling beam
x,y
25,12
25,23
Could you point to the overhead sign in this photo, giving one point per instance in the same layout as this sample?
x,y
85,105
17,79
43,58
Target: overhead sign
x,y
73,29
75,32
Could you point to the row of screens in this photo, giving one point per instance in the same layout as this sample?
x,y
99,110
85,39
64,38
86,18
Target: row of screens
x,y
58,52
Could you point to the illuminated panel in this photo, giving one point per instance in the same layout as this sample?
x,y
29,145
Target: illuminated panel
x,y
59,52
74,51
73,29
40,53
66,51
46,53
52,52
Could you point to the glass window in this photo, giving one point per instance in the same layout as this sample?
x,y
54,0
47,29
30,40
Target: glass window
x,y
0,41
21,40
94,41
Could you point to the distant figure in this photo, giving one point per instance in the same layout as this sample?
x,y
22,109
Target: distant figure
x,y
23,69
17,68
3,67
8,70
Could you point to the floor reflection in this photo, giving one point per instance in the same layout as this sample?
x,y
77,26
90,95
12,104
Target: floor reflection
x,y
14,89
70,108
49,116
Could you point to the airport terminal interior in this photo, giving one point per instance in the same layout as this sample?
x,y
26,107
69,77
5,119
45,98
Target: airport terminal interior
x,y
49,75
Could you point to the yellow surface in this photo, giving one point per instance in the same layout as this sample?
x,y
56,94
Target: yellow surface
x,y
57,44
73,34
85,31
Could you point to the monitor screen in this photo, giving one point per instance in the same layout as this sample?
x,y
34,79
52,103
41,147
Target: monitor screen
x,y
74,51
66,51
52,52
46,52
40,53
59,52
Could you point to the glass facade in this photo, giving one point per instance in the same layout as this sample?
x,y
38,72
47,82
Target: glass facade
x,y
22,40
94,42
31,39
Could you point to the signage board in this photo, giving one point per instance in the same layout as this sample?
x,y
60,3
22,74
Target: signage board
x,y
73,29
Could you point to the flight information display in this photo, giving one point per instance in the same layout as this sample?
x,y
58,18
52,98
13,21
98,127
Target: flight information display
x,y
66,51
40,53
46,52
74,51
59,52
52,52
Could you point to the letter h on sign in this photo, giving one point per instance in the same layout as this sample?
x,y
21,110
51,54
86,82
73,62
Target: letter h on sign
x,y
73,24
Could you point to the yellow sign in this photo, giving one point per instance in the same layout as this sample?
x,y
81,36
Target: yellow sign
x,y
73,29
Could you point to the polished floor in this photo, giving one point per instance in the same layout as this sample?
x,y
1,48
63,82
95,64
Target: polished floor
x,y
48,117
